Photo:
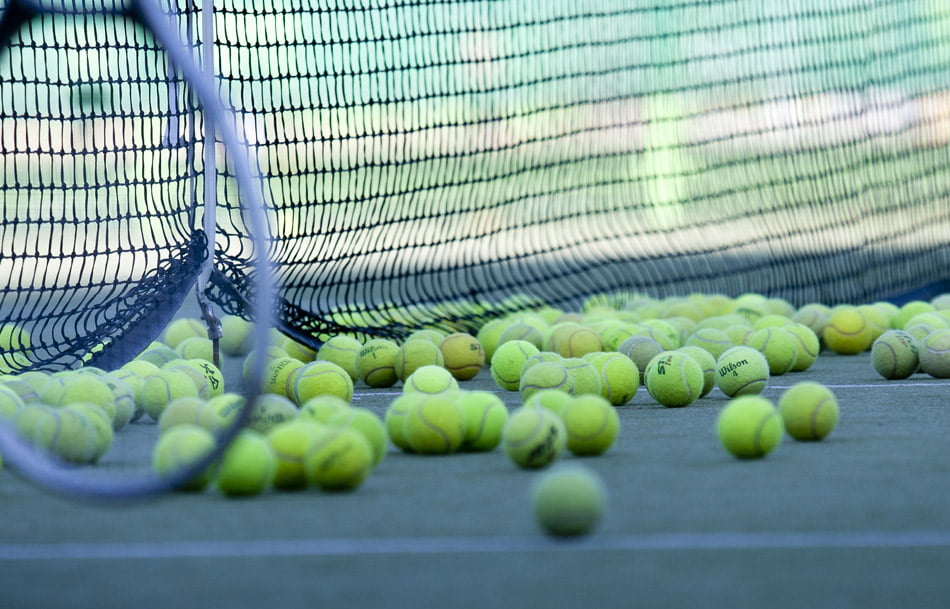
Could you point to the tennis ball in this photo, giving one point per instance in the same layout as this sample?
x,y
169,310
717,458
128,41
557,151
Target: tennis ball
x,y
847,332
577,342
640,350
321,378
674,379
771,320
895,355
507,362
742,370
738,334
181,411
485,417
237,336
183,328
619,376
878,321
182,447
749,427
366,422
140,368
247,466
322,408
376,363
415,354
537,358
809,410
10,402
662,332
813,315
522,332
534,437
158,354
552,399
488,336
707,363
101,423
339,459
592,425
344,351
291,441
296,349
463,355
78,388
808,346
68,435
159,389
251,359
14,337
428,334
395,418
269,411
713,340
586,377
909,310
26,392
919,326
435,425
279,376
220,411
123,401
196,348
196,376
934,354
778,346
430,379
569,500
546,375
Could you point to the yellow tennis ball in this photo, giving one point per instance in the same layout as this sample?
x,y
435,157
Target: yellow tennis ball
x,y
428,334
749,427
674,379
485,417
662,332
462,355
537,358
577,342
366,422
909,310
586,377
488,336
569,500
79,388
196,376
551,399
376,363
14,338
742,370
415,354
344,351
809,410
435,425
592,425
339,459
507,362
779,347
181,411
10,402
291,441
619,376
139,367
432,380
123,400
159,389
296,349
534,437
237,336
524,332
68,435
196,347
322,408
183,328
321,378
251,359
713,340
545,375
809,346
878,321
158,354
247,466
813,315
27,385
279,375
270,410
182,447
895,355
707,364
847,332
101,422
219,412
395,418
640,350
934,354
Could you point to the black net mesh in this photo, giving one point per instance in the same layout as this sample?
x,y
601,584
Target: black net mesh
x,y
97,240
425,161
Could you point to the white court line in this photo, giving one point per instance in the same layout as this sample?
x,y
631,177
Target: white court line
x,y
472,545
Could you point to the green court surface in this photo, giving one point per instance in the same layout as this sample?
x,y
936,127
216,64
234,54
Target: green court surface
x,y
859,520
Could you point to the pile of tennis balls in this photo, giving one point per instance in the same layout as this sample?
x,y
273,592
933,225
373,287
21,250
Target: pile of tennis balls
x,y
559,377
